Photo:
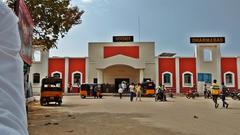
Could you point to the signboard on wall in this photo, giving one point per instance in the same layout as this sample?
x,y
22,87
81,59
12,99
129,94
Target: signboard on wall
x,y
25,30
207,39
123,38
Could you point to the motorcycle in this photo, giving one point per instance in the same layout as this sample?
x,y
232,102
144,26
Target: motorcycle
x,y
160,96
191,94
207,94
235,95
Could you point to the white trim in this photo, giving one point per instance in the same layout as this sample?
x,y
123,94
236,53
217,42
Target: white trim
x,y
171,79
238,72
66,82
157,71
76,72
183,84
86,70
233,79
177,64
141,75
55,73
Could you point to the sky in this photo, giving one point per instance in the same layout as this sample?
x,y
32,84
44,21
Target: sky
x,y
168,23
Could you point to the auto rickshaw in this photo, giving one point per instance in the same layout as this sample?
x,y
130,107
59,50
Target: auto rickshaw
x,y
51,91
87,90
148,88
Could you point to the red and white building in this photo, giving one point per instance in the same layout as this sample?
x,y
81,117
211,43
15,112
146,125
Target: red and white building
x,y
112,62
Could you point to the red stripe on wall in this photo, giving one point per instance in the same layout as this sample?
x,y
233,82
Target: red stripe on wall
x,y
230,65
131,51
167,65
186,65
76,64
57,64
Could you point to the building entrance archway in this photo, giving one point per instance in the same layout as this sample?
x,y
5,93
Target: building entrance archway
x,y
114,74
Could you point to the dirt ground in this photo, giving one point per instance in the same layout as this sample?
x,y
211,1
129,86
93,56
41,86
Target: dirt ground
x,y
112,116
51,122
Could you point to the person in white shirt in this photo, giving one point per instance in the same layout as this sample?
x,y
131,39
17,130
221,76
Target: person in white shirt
x,y
13,120
132,92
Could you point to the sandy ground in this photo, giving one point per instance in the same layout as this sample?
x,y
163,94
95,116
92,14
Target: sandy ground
x,y
112,116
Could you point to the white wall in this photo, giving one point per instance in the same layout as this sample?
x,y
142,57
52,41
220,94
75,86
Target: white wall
x,y
41,68
120,71
238,70
214,66
146,59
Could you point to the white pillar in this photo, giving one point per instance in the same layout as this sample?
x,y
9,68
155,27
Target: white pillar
x,y
177,75
100,76
86,70
238,71
219,68
156,71
66,74
141,75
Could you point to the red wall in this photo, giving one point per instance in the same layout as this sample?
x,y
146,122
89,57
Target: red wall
x,y
76,64
167,65
131,51
186,64
57,64
229,65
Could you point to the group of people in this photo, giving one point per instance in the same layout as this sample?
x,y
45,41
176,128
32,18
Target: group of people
x,y
135,89
218,91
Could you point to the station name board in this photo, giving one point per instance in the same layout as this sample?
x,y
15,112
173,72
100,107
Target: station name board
x,y
123,38
207,40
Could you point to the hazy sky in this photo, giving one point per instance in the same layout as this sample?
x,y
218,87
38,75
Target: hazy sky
x,y
168,23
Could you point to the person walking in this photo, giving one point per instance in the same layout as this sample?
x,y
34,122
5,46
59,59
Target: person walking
x,y
120,91
205,91
224,94
215,92
131,88
138,91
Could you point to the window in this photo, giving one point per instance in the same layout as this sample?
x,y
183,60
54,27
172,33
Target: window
x,y
187,79
167,79
56,74
207,55
205,77
229,79
37,56
76,78
36,78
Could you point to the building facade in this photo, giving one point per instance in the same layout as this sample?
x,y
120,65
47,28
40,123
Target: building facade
x,y
114,62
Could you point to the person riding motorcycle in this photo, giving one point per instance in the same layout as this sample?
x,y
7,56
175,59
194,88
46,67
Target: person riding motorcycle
x,y
160,93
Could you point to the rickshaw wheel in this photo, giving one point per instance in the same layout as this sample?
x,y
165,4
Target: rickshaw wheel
x,y
83,97
59,103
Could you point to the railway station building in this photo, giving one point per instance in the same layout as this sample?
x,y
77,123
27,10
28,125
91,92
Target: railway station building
x,y
125,60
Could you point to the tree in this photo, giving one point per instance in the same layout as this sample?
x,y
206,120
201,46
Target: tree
x,y
52,19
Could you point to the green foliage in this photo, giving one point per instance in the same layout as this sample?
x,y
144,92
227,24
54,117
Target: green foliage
x,y
52,19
